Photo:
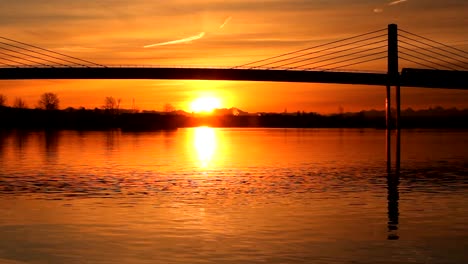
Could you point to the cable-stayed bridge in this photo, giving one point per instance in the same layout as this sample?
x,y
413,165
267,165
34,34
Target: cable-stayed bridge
x,y
427,64
430,63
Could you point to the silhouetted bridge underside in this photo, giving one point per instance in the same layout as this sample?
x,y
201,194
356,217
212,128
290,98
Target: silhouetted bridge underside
x,y
408,77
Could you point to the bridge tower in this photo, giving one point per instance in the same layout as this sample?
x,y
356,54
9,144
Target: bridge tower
x,y
393,79
393,75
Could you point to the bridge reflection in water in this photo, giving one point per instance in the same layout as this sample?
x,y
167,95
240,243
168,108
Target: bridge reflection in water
x,y
393,181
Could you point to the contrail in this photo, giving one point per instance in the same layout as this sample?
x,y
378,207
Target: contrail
x,y
199,36
225,22
396,2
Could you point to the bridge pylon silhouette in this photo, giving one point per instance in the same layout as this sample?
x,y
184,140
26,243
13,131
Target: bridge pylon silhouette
x,y
393,75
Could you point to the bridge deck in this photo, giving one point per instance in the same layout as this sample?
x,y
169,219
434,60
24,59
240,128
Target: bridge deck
x,y
434,78
409,77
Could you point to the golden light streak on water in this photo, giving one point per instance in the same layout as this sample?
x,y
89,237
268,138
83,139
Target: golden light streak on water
x,y
205,143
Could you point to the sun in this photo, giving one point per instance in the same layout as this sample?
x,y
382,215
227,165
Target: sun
x,y
205,104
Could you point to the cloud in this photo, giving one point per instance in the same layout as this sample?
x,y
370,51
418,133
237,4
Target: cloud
x,y
396,2
199,36
225,22
184,40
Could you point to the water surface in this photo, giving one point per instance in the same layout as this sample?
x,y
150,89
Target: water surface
x,y
205,195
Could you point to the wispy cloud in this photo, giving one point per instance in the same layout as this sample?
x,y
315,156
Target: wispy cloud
x,y
396,2
188,39
392,3
199,36
225,22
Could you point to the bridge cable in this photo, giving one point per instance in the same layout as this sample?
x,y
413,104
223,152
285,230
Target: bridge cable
x,y
314,52
420,64
54,52
337,57
333,53
419,58
60,59
432,46
9,65
16,57
326,49
40,54
421,53
356,63
360,57
28,55
309,48
434,52
422,48
17,62
323,55
447,46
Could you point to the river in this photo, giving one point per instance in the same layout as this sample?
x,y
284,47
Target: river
x,y
214,195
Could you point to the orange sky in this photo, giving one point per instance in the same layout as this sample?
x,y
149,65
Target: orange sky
x,y
223,33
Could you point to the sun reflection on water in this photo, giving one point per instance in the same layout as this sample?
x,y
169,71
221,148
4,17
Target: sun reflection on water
x,y
205,143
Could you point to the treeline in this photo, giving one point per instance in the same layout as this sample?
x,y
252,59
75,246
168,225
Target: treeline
x,y
83,119
102,119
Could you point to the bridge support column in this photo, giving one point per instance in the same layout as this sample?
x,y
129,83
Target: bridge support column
x,y
398,132
393,75
388,108
398,106
388,135
398,151
388,149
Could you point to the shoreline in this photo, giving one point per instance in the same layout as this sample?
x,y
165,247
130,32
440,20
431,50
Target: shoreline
x,y
83,120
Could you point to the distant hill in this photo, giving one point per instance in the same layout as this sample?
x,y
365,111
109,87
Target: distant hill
x,y
229,111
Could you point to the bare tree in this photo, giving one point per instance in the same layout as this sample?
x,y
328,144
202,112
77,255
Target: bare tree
x,y
3,100
134,107
168,108
111,104
19,103
49,101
